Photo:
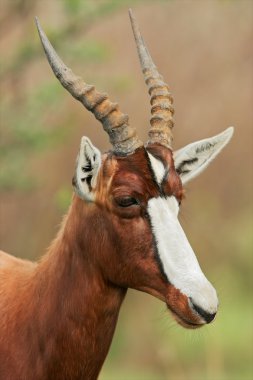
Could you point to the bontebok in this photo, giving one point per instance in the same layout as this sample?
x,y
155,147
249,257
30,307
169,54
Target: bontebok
x,y
57,316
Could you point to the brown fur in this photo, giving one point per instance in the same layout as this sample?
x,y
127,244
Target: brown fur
x,y
58,316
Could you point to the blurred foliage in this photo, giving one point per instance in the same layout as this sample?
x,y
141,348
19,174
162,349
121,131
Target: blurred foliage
x,y
121,83
24,134
63,198
81,14
89,51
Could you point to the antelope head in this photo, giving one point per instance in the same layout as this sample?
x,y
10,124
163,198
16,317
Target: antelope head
x,y
135,191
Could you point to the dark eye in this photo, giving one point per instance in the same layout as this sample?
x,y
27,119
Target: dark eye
x,y
126,201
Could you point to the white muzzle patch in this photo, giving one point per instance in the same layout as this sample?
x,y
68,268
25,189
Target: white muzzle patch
x,y
177,257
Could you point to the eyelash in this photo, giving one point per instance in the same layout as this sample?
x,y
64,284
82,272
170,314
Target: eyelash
x,y
127,202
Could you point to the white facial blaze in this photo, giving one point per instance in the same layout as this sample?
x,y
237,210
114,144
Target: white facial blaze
x,y
157,167
178,259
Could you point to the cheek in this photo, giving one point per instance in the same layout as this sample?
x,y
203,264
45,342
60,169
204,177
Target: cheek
x,y
139,254
133,247
133,256
136,237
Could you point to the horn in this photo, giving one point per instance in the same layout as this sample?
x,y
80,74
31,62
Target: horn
x,y
161,99
122,137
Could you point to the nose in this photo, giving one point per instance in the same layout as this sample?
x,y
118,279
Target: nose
x,y
208,317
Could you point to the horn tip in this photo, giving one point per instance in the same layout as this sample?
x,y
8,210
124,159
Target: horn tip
x,y
131,16
37,23
36,19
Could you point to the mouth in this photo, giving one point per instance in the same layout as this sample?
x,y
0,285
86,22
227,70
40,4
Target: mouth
x,y
186,312
186,323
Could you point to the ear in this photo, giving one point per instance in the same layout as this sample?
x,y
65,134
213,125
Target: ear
x,y
194,158
87,167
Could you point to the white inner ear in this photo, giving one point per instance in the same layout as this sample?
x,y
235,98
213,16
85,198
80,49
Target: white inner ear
x,y
87,167
191,160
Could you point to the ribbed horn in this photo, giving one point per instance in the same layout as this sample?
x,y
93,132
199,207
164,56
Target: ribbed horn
x,y
122,137
161,100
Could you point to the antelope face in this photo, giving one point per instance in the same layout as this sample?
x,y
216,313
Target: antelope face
x,y
137,191
140,194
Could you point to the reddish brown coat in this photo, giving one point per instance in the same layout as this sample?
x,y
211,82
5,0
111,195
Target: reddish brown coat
x,y
58,316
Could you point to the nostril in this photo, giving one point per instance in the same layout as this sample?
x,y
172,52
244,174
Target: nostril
x,y
208,317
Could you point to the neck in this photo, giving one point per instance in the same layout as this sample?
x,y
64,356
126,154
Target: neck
x,y
78,307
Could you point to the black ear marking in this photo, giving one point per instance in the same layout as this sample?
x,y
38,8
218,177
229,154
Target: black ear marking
x,y
180,169
204,147
87,167
88,180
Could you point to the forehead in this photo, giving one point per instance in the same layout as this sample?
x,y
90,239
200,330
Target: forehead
x,y
149,172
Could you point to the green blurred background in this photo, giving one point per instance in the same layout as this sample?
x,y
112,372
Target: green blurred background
x,y
204,51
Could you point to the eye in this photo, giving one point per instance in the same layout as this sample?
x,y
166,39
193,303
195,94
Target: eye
x,y
126,201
